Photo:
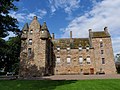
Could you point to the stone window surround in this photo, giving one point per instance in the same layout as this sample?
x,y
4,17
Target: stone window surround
x,y
80,59
30,41
102,51
101,44
29,51
103,60
31,31
88,60
58,60
68,59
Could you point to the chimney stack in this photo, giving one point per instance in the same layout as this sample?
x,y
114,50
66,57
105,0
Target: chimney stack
x,y
106,29
70,34
53,36
90,30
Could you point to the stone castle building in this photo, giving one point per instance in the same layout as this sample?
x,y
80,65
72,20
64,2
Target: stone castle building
x,y
42,54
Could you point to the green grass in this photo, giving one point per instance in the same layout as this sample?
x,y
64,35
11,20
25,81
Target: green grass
x,y
108,84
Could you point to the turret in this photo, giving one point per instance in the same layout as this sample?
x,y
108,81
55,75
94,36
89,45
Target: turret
x,y
44,33
25,31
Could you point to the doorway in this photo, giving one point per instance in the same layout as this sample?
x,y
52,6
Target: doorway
x,y
91,70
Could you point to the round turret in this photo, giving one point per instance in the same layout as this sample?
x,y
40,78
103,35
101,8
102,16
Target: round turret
x,y
44,33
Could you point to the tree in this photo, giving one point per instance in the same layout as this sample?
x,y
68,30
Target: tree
x,y
7,23
10,54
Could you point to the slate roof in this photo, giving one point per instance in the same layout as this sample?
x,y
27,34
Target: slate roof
x,y
100,34
25,27
73,43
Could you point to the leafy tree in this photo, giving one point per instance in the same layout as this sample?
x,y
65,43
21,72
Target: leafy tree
x,y
13,53
10,54
7,23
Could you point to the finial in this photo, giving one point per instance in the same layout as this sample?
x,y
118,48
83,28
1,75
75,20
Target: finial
x,y
35,18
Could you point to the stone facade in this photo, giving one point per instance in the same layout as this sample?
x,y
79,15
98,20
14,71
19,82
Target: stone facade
x,y
42,54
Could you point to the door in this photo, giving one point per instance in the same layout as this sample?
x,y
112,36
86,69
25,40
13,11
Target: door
x,y
91,70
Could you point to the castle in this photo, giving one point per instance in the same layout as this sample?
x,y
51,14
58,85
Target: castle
x,y
42,54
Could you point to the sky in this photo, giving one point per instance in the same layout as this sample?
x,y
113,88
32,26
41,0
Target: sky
x,y
63,16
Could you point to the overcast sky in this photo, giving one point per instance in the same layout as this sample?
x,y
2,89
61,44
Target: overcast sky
x,y
63,16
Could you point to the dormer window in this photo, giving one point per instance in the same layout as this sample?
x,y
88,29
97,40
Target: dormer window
x,y
87,48
30,41
80,48
31,31
68,48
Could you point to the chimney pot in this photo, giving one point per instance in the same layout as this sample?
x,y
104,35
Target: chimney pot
x,y
90,30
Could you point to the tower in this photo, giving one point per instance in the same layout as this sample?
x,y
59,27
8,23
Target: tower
x,y
103,51
34,57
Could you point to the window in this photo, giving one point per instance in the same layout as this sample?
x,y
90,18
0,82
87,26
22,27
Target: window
x,y
30,41
31,31
80,48
101,51
68,60
58,48
88,60
103,60
25,32
42,31
101,44
68,48
29,51
58,60
80,60
100,40
87,48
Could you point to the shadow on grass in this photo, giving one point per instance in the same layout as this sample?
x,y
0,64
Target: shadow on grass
x,y
33,84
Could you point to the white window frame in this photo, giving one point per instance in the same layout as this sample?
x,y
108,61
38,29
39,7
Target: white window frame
x,y
80,60
68,48
68,60
88,60
58,48
31,31
80,48
58,60
30,41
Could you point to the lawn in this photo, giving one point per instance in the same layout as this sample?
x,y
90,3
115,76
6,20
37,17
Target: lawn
x,y
108,84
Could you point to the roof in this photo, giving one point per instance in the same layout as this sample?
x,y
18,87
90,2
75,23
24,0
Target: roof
x,y
100,34
44,26
73,43
25,27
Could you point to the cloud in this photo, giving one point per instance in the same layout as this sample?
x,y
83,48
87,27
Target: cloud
x,y
11,34
21,17
67,5
116,45
104,13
